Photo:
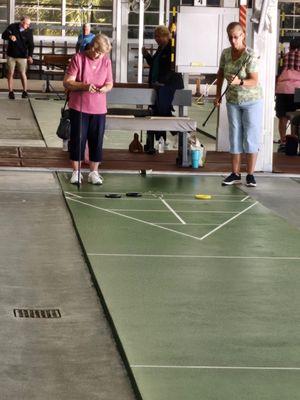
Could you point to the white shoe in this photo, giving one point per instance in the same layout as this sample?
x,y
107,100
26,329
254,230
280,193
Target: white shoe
x,y
175,143
74,178
65,145
95,178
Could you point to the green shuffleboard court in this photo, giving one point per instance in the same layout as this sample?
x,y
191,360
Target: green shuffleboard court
x,y
204,294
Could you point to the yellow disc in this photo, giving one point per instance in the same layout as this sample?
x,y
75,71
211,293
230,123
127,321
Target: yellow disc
x,y
203,196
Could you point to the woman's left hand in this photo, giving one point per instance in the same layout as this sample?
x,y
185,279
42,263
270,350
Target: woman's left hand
x,y
92,88
233,80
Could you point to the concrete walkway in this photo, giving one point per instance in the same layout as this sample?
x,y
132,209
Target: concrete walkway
x,y
17,124
279,195
41,267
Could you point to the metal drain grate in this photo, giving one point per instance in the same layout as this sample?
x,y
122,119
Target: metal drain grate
x,y
29,313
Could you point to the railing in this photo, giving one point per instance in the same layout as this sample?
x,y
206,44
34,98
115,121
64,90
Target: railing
x,y
35,71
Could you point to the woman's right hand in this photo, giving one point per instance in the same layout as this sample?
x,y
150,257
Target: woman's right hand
x,y
91,88
217,101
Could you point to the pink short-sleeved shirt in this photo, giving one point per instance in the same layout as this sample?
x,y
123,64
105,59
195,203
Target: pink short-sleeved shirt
x,y
86,70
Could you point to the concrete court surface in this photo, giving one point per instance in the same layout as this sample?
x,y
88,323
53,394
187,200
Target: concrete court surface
x,y
42,267
279,194
18,125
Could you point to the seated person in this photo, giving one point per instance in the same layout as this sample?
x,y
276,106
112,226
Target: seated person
x,y
163,79
287,82
84,39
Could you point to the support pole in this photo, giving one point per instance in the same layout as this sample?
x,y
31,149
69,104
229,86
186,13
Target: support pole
x,y
11,11
141,41
243,14
265,45
161,12
167,12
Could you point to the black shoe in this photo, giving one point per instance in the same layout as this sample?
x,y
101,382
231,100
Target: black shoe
x,y
11,95
24,95
232,179
281,148
150,151
250,181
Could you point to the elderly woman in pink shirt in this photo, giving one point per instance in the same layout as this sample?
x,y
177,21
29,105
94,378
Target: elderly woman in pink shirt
x,y
88,79
287,82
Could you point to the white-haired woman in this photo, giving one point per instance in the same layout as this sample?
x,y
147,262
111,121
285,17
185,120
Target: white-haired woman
x,y
88,79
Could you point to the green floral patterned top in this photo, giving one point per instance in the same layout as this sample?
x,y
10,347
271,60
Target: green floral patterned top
x,y
240,94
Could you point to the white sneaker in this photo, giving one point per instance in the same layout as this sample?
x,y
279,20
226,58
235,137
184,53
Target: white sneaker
x,y
65,145
175,143
95,178
75,176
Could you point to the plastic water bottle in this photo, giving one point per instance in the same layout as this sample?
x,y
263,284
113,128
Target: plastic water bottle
x,y
195,158
161,145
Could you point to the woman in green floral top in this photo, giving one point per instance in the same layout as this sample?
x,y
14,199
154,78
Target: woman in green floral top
x,y
244,103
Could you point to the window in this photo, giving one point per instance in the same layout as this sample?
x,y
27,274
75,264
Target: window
x,y
98,13
151,20
3,15
57,18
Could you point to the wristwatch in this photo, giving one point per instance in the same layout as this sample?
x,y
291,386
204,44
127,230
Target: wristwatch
x,y
242,82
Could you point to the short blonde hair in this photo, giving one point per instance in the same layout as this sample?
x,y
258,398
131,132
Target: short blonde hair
x,y
101,43
162,30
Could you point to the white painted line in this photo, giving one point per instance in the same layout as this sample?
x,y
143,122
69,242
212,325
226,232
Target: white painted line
x,y
225,367
133,219
153,198
181,211
227,222
156,195
172,210
74,195
245,198
192,256
136,172
187,224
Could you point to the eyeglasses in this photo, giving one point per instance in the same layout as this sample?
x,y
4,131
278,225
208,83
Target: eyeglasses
x,y
234,37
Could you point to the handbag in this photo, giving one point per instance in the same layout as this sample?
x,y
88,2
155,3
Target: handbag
x,y
64,128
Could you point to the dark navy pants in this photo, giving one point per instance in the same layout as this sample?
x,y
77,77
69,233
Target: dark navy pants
x,y
163,108
93,127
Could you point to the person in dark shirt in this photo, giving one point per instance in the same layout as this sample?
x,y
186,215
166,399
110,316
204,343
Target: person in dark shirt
x,y
19,52
163,79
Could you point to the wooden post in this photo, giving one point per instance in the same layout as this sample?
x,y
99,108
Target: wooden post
x,y
243,14
198,83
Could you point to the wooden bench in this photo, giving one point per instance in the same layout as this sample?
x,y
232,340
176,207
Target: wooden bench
x,y
137,96
56,65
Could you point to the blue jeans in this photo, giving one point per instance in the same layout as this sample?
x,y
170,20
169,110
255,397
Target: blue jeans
x,y
245,126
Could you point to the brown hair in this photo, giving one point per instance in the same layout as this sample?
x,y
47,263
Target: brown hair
x,y
234,25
